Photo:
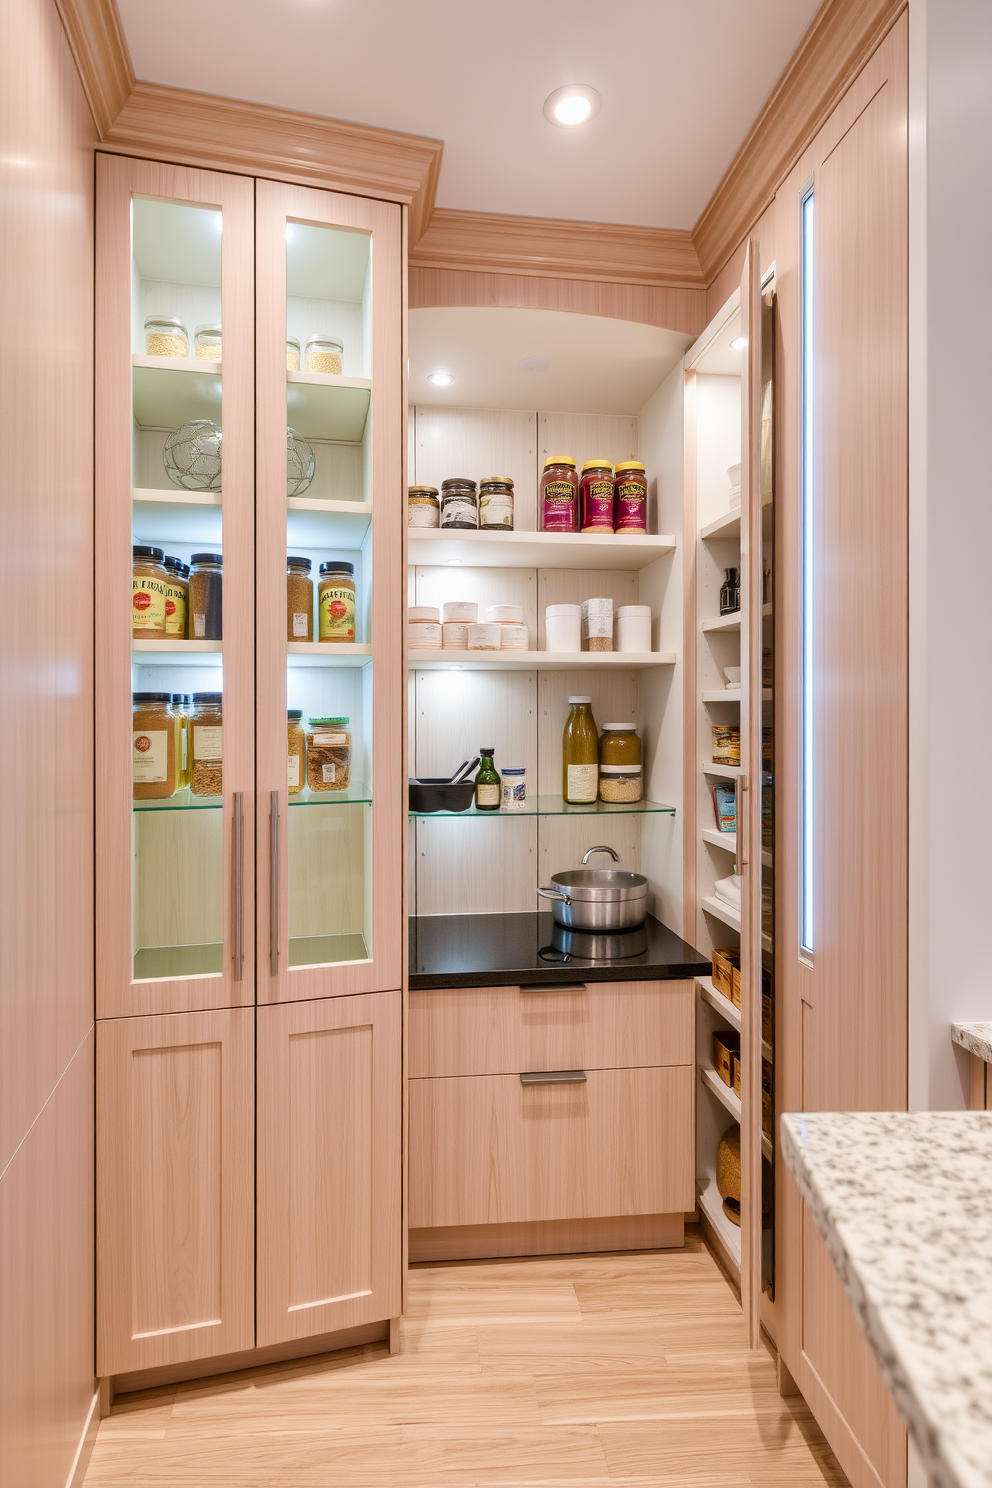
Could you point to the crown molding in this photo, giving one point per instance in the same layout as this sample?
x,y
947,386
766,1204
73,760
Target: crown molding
x,y
543,247
96,39
840,39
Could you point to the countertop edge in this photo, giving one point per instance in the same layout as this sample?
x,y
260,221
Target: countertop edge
x,y
444,981
971,1037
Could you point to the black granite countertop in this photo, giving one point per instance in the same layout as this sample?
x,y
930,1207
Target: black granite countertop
x,y
502,950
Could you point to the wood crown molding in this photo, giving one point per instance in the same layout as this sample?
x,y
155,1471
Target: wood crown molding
x,y
96,39
840,39
544,247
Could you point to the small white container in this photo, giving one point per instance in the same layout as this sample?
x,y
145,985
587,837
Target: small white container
x,y
454,635
484,637
597,624
463,610
513,637
423,612
513,779
634,627
563,627
505,614
424,635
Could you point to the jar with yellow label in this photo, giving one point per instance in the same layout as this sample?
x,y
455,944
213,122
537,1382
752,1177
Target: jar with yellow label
x,y
153,746
336,601
329,754
297,753
149,582
176,598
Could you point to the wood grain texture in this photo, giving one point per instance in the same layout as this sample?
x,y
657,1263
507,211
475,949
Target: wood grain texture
x,y
491,1150
548,1237
256,139
478,442
605,252
690,701
99,49
503,1030
329,1135
175,1191
840,39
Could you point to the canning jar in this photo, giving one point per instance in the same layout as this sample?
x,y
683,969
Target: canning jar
x,y
328,754
620,763
165,337
422,507
149,582
496,504
292,354
630,493
297,752
596,497
153,746
207,752
559,495
580,752
299,600
324,354
459,503
336,601
206,597
176,598
206,343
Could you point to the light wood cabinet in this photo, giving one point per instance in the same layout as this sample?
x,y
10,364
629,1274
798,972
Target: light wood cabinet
x,y
175,1188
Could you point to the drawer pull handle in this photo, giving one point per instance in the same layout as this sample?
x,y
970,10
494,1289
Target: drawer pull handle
x,y
553,1077
555,987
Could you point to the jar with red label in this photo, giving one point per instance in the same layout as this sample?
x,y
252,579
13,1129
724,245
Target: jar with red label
x,y
630,490
596,497
149,582
559,495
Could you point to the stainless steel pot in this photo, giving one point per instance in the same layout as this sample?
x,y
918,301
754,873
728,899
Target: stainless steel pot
x,y
598,898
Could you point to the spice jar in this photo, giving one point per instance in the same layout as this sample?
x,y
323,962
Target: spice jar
x,y
596,497
730,592
206,597
207,752
559,495
630,497
176,597
620,763
165,337
328,754
459,503
180,712
149,582
299,600
422,507
514,788
292,354
496,504
297,754
324,354
336,601
580,752
153,746
206,343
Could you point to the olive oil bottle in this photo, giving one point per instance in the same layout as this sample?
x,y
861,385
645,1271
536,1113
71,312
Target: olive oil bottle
x,y
580,753
487,787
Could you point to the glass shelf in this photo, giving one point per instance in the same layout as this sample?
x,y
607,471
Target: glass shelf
x,y
555,806
184,800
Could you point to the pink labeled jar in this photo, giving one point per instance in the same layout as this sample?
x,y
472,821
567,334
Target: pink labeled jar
x,y
596,497
559,495
630,490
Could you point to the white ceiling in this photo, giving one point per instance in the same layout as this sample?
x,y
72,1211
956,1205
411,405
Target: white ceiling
x,y
682,81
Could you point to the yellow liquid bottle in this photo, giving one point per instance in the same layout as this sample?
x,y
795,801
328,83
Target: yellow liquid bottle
x,y
580,753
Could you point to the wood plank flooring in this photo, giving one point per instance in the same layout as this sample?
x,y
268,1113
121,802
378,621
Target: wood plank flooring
x,y
618,1371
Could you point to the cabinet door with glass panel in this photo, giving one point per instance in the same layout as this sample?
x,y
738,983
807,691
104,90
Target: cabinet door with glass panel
x,y
330,563
174,588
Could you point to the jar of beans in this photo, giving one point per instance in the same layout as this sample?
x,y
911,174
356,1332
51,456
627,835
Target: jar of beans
x,y
325,354
207,753
292,354
206,343
165,337
328,754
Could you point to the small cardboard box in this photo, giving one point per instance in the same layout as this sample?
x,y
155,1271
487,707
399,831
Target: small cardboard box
x,y
726,1049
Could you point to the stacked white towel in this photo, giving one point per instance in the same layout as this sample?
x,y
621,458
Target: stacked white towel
x,y
729,890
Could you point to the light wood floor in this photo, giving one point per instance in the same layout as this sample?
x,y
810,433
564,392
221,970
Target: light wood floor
x,y
576,1372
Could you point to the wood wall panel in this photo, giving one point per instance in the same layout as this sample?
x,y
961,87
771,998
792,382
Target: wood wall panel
x,y
477,442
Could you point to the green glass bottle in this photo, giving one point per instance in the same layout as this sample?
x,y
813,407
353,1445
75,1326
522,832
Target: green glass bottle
x,y
487,787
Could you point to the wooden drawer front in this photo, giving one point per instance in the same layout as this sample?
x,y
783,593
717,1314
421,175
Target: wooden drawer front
x,y
503,1030
491,1150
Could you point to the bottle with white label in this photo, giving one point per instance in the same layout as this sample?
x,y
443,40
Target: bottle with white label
x,y
580,754
487,787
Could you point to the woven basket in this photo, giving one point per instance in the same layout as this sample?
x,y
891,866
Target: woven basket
x,y
728,1172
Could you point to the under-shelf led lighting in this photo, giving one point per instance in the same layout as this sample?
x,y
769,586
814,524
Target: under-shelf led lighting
x,y
574,104
738,343
440,379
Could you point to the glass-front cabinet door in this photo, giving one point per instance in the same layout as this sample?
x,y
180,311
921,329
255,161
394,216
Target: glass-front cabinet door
x,y
174,683
330,535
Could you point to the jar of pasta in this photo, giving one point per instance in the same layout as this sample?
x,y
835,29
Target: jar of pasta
x,y
328,754
207,752
297,754
153,746
324,354
149,583
165,337
206,343
299,600
336,601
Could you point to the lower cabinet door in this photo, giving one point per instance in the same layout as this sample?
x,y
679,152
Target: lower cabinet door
x,y
175,1191
329,1165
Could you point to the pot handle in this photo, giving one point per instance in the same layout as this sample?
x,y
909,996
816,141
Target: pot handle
x,y
554,894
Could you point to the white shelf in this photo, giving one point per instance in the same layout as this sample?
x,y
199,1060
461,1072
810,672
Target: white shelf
x,y
731,695
177,653
167,391
721,911
314,523
728,527
726,1096
426,547
728,1235
726,840
725,772
327,654
725,622
174,516
538,661
716,999
320,406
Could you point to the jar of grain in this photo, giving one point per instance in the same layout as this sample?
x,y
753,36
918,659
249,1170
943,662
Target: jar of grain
x,y
620,763
292,354
206,343
206,597
299,600
153,746
176,598
324,354
149,582
496,504
328,754
296,761
207,754
423,509
165,337
336,601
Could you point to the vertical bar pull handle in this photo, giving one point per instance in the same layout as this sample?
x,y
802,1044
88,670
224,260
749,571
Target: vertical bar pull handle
x,y
274,882
239,885
740,786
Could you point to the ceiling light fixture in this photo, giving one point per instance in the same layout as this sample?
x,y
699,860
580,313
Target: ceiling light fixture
x,y
454,563
738,343
440,379
571,105
534,364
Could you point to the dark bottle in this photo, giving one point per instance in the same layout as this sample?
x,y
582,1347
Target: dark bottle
x,y
730,592
487,786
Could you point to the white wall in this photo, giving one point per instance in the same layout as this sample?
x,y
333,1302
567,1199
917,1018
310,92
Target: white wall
x,y
950,535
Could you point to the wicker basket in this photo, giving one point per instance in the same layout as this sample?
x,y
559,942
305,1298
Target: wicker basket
x,y
728,1172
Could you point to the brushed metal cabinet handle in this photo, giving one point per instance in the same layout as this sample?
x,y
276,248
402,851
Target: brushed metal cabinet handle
x,y
274,882
553,1077
555,987
239,885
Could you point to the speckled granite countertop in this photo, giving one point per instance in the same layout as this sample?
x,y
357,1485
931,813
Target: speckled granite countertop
x,y
975,1037
904,1202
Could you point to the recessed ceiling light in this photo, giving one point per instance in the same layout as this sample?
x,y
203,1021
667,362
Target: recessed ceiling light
x,y
440,379
534,364
738,343
454,563
572,105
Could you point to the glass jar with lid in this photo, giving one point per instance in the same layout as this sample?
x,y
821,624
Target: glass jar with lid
x,y
580,752
559,499
299,600
297,751
206,597
328,754
207,752
292,354
325,354
596,497
423,509
206,343
336,601
730,592
149,585
496,504
165,337
153,746
620,763
630,492
459,503
176,598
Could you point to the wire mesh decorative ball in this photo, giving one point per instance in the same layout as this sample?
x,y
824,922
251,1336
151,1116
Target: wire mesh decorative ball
x,y
299,463
192,455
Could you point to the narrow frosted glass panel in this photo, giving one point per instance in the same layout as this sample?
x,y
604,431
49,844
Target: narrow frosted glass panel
x,y
807,776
